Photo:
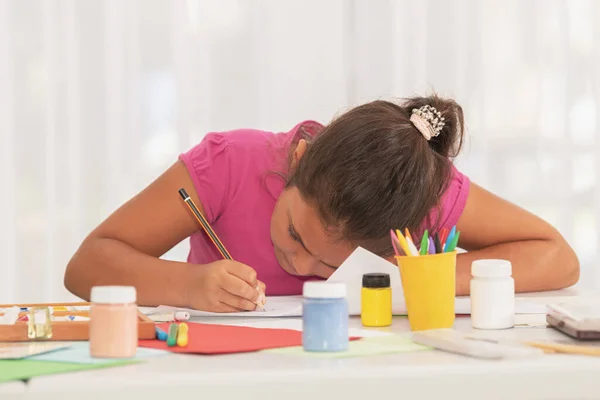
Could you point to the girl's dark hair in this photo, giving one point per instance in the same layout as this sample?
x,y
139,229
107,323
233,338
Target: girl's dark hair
x,y
371,170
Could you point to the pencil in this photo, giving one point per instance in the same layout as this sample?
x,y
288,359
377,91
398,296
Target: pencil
x,y
209,231
565,348
205,225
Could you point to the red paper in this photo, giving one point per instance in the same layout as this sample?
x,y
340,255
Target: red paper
x,y
223,339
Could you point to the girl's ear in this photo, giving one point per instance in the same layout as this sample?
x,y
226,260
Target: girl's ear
x,y
298,152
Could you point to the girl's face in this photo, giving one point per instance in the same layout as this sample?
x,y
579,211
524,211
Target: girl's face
x,y
301,244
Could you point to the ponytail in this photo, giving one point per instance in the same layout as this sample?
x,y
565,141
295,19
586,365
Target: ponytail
x,y
440,121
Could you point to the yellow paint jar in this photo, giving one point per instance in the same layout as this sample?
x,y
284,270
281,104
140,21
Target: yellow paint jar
x,y
376,300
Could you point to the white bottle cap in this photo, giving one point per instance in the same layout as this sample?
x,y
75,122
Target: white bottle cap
x,y
182,316
491,268
324,290
113,294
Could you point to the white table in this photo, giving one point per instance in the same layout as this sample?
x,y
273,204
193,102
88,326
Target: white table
x,y
427,374
12,390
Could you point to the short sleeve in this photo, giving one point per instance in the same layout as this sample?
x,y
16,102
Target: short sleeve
x,y
210,169
454,199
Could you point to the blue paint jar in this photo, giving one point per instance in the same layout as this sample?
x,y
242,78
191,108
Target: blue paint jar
x,y
324,317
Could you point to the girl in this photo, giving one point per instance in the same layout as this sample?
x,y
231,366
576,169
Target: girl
x,y
292,206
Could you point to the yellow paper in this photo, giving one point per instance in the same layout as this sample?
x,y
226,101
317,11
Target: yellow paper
x,y
360,348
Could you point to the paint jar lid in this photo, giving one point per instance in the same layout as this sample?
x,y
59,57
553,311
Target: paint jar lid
x,y
491,268
376,280
324,290
113,294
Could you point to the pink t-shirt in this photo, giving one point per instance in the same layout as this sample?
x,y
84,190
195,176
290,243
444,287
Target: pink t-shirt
x,y
235,176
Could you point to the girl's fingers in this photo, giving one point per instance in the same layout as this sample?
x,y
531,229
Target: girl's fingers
x,y
240,288
226,308
236,302
262,287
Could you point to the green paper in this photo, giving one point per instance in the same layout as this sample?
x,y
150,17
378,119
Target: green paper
x,y
12,370
360,348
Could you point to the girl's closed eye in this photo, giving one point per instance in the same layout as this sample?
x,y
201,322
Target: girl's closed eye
x,y
295,237
293,234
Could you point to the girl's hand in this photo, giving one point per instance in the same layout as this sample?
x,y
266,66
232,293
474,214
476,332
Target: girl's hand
x,y
225,286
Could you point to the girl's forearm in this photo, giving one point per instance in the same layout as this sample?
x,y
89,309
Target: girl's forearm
x,y
537,265
104,261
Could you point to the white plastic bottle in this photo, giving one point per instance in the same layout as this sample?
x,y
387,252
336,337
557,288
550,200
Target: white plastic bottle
x,y
492,294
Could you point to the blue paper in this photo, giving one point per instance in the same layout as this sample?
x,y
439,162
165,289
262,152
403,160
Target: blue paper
x,y
79,353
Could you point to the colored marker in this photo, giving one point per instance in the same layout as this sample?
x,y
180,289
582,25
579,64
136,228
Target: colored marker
x,y
160,334
424,244
407,234
182,336
395,242
404,244
438,243
453,243
443,236
172,337
431,245
452,231
450,237
412,247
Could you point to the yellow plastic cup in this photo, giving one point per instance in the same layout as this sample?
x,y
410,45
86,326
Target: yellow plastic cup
x,y
429,284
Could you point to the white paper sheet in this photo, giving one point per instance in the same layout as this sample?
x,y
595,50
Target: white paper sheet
x,y
360,262
296,325
277,306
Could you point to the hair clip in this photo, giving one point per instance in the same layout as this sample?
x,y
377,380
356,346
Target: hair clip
x,y
428,120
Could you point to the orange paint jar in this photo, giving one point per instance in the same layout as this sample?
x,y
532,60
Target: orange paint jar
x,y
113,322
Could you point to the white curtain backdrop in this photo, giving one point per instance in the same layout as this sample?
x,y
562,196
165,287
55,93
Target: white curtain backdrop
x,y
97,98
